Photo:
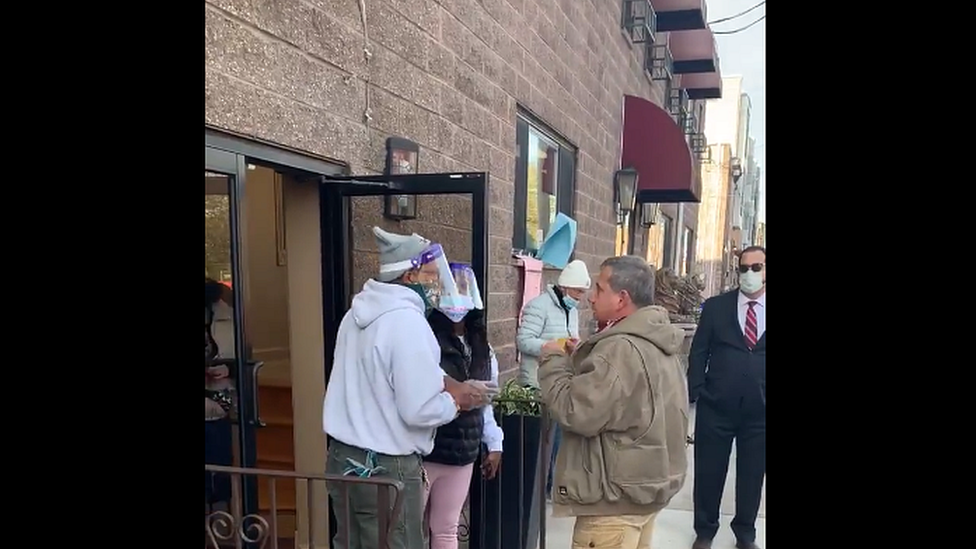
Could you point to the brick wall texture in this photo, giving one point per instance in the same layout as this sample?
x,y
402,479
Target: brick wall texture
x,y
448,74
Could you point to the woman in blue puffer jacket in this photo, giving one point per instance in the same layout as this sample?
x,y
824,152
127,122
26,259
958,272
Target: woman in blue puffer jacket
x,y
551,315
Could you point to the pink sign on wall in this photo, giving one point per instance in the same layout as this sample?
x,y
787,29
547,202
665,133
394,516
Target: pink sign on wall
x,y
533,279
532,285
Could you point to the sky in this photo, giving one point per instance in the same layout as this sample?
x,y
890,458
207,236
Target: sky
x,y
744,54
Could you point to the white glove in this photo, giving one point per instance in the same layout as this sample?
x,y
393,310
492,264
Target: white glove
x,y
489,389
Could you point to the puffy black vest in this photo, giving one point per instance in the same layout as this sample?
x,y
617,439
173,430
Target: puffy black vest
x,y
458,442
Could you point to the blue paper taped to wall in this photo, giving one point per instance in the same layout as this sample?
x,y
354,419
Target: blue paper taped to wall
x,y
558,246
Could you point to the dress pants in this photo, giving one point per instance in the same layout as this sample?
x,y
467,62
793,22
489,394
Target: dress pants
x,y
715,430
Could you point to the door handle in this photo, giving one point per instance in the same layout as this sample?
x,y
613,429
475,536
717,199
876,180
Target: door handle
x,y
255,368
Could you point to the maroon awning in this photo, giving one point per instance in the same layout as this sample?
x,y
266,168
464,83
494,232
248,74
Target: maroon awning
x,y
693,51
655,146
702,85
677,15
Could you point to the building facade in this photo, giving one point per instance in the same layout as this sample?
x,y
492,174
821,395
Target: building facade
x,y
302,93
713,245
474,84
732,183
750,194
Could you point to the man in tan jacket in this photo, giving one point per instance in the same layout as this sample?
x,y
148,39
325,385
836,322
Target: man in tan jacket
x,y
621,400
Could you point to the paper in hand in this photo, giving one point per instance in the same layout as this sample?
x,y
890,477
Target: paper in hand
x,y
489,389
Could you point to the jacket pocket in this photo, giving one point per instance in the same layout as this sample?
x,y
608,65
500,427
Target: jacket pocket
x,y
639,474
576,481
600,533
586,459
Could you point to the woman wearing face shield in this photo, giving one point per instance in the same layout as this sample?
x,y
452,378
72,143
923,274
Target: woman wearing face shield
x,y
458,323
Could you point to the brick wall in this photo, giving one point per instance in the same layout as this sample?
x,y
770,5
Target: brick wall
x,y
448,74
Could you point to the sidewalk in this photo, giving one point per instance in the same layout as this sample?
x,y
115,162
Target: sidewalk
x,y
674,526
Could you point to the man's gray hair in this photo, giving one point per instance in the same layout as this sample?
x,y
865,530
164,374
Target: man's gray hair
x,y
633,274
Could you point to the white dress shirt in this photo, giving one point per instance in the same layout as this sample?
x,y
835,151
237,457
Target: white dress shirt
x,y
492,435
760,307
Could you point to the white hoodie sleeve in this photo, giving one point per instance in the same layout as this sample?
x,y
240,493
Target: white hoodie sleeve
x,y
492,436
418,381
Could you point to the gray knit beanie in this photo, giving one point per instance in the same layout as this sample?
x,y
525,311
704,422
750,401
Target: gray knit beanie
x,y
395,248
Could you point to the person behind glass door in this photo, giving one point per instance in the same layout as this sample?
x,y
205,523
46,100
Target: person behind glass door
x,y
459,325
218,397
554,314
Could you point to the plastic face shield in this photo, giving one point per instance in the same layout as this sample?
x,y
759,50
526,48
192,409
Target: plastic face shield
x,y
466,295
435,272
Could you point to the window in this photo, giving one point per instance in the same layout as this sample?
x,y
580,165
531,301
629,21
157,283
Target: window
x,y
655,245
667,227
545,174
688,246
622,246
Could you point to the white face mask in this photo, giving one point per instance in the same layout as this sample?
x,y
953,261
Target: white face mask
x,y
751,282
455,315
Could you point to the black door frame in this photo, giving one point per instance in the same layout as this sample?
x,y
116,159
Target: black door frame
x,y
234,166
336,223
229,155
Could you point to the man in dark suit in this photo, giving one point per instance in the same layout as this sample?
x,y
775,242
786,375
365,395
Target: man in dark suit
x,y
727,381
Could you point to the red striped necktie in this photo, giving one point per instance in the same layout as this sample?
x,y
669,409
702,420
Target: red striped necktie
x,y
752,331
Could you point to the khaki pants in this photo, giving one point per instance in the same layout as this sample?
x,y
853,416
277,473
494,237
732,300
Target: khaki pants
x,y
619,532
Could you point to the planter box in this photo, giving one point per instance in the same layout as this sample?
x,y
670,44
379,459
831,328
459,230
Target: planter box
x,y
505,511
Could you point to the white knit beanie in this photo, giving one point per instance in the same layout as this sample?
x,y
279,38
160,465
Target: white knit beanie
x,y
575,275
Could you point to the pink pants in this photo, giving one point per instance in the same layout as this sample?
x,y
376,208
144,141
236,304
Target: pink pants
x,y
444,501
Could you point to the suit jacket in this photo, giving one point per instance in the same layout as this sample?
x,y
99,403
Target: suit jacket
x,y
722,371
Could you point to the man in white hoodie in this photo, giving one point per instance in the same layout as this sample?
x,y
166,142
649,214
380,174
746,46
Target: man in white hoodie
x,y
387,393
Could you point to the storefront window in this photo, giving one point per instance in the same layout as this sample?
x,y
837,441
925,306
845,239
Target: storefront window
x,y
544,180
541,181
667,227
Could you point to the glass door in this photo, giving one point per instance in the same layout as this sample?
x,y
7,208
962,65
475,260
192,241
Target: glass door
x,y
231,380
450,209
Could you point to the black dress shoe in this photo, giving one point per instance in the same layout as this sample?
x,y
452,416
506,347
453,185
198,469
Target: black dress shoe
x,y
702,543
746,545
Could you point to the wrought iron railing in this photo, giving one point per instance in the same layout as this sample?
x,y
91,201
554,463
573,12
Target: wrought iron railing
x,y
506,512
234,527
509,511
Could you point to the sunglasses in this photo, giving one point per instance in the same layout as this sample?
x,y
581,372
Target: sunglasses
x,y
755,267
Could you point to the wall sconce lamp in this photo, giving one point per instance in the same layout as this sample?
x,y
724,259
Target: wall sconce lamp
x,y
400,207
402,157
624,192
736,170
650,214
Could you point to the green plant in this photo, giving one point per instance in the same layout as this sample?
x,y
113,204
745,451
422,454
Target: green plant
x,y
516,399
